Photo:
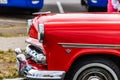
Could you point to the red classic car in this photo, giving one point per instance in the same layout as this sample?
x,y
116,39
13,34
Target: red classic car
x,y
72,46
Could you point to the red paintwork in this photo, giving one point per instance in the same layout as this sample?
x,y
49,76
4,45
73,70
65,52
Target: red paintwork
x,y
36,66
86,28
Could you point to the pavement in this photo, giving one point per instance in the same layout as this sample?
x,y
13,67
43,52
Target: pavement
x,y
12,43
68,6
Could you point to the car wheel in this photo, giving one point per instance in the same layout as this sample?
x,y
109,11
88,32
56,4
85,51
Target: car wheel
x,y
94,69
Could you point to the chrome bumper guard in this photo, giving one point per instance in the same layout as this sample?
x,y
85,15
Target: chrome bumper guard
x,y
45,75
32,74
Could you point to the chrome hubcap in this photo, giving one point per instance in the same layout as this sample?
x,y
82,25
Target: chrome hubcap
x,y
94,78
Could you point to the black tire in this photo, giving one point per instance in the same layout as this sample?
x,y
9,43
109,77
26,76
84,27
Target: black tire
x,y
94,69
97,9
83,3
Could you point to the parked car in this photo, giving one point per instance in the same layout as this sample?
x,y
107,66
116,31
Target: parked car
x,y
33,5
72,46
95,5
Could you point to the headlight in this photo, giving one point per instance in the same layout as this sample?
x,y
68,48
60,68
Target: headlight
x,y
29,25
41,32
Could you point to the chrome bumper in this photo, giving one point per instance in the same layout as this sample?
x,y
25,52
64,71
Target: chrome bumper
x,y
45,75
32,74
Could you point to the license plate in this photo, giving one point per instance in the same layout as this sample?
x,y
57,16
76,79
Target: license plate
x,y
3,1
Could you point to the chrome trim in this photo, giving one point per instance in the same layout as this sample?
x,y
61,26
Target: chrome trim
x,y
35,56
81,45
45,75
41,13
41,32
29,43
33,74
29,25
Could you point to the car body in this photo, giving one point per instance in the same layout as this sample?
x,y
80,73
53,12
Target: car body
x,y
72,46
28,4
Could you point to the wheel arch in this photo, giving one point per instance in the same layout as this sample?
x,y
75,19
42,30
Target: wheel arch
x,y
113,55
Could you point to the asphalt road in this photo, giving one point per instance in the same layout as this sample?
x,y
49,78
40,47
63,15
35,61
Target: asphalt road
x,y
68,6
